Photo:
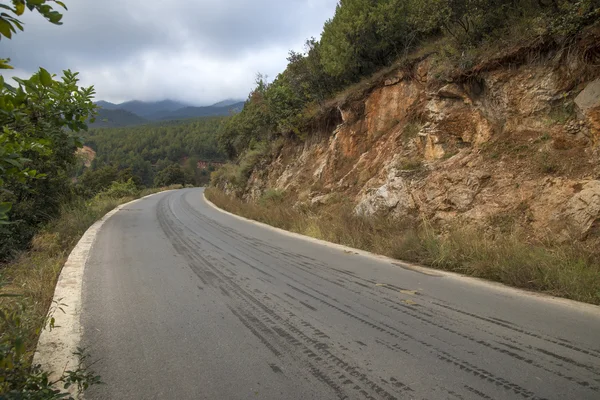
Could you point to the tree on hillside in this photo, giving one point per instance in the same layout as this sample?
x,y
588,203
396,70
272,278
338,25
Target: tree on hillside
x,y
172,175
95,180
364,35
255,122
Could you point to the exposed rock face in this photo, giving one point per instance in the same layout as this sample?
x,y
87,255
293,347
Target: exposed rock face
x,y
501,148
588,102
393,196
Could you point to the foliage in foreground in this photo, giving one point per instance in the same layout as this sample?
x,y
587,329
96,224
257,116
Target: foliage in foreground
x,y
20,380
39,119
37,149
567,270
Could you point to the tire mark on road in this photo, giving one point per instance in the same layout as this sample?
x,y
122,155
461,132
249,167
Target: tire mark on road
x,y
266,332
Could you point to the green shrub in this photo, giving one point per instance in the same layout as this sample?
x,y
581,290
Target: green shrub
x,y
228,174
120,189
171,175
40,119
251,157
272,196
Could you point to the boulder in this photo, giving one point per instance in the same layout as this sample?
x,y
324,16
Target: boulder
x,y
320,199
392,196
589,97
451,91
392,81
582,211
588,102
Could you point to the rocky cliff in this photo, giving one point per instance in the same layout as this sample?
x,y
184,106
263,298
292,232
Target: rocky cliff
x,y
514,141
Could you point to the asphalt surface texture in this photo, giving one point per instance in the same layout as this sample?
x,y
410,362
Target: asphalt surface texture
x,y
182,301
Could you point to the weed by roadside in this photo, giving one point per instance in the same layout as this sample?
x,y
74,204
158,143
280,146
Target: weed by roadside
x,y
568,270
21,380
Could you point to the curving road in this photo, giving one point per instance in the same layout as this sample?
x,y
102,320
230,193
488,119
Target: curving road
x,y
182,301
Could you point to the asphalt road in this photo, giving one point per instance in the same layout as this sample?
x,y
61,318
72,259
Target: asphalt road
x,y
182,301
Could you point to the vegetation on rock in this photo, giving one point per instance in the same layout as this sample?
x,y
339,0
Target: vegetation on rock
x,y
365,36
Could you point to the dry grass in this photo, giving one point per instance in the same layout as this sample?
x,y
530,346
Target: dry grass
x,y
32,276
570,271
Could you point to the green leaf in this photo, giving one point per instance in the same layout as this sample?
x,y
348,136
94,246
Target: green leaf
x,y
19,344
20,8
4,63
45,78
12,162
18,24
5,28
5,207
60,3
54,17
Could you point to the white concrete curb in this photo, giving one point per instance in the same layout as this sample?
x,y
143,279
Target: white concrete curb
x,y
590,309
55,347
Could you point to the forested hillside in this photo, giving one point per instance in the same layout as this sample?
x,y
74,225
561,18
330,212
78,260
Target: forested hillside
x,y
116,118
146,150
197,112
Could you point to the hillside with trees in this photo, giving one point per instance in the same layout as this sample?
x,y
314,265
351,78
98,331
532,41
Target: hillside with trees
x,y
108,118
144,151
144,109
366,36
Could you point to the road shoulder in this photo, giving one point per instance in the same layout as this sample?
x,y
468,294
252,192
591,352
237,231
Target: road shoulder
x,y
590,309
56,347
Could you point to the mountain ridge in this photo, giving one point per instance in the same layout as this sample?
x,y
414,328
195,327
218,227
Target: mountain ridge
x,y
135,112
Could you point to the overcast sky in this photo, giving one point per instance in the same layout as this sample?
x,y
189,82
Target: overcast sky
x,y
196,51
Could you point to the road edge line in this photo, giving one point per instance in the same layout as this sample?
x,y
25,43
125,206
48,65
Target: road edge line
x,y
510,290
56,347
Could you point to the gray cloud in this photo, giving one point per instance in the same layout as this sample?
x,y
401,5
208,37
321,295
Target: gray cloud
x,y
200,51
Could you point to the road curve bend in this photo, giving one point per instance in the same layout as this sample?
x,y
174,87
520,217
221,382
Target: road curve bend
x,y
182,301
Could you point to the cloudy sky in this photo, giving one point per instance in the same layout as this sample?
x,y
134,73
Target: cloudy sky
x,y
196,51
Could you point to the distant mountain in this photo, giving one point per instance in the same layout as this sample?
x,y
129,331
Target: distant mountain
x,y
107,105
108,118
138,112
148,109
195,112
228,102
